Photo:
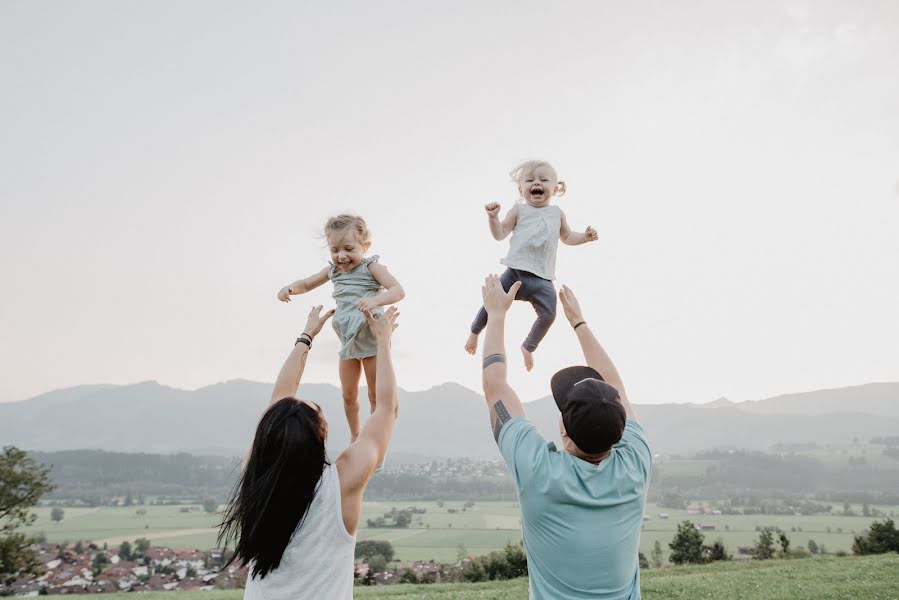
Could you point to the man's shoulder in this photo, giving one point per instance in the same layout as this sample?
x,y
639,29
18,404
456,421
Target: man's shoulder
x,y
634,443
523,449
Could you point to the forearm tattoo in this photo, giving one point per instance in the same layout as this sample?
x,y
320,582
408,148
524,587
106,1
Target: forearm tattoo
x,y
492,359
500,416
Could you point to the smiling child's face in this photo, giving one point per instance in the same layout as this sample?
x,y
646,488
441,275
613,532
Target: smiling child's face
x,y
538,185
346,249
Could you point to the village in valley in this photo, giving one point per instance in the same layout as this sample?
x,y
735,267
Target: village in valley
x,y
86,569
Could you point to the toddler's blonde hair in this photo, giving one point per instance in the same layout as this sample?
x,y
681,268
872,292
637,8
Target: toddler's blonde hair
x,y
529,166
344,221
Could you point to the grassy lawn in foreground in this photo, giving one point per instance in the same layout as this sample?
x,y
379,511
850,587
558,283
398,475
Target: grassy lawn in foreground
x,y
831,578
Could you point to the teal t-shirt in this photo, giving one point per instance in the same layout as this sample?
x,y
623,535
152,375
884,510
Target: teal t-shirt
x,y
580,522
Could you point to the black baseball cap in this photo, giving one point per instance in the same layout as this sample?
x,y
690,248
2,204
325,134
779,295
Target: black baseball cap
x,y
591,409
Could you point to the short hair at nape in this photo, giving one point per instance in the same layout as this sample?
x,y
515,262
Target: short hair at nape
x,y
346,220
528,166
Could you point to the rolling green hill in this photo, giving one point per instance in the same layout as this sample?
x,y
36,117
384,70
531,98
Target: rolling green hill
x,y
864,577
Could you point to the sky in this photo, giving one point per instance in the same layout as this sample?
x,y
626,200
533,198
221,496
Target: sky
x,y
166,167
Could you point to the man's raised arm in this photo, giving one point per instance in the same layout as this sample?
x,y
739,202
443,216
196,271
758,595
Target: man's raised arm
x,y
594,354
502,401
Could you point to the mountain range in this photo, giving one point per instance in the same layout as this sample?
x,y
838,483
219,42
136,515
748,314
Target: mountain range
x,y
445,421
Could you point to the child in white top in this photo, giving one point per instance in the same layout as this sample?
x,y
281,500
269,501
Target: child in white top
x,y
360,284
536,227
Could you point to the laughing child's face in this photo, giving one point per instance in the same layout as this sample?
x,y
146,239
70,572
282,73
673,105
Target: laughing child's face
x,y
346,249
538,185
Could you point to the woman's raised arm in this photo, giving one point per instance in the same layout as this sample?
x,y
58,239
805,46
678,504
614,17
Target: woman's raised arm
x,y
359,460
292,370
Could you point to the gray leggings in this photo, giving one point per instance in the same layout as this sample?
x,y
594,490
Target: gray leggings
x,y
541,293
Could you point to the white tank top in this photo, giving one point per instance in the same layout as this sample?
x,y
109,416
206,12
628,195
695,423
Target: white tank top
x,y
318,560
535,240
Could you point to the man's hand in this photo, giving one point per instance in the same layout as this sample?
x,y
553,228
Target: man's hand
x,y
383,327
366,304
496,300
316,320
571,306
284,294
492,210
591,234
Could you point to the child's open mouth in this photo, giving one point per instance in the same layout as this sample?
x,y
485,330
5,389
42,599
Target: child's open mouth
x,y
537,192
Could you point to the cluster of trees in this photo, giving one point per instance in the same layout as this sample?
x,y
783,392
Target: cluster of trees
x,y
395,518
508,563
688,547
765,547
23,481
880,538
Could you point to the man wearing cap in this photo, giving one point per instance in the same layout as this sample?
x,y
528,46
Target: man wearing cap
x,y
581,508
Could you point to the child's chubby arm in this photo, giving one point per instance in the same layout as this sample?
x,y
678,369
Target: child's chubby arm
x,y
393,291
575,238
301,286
501,229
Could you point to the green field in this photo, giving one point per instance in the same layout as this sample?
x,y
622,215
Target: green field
x,y
864,577
438,535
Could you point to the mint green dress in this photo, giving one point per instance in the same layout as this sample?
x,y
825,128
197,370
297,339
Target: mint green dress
x,y
356,339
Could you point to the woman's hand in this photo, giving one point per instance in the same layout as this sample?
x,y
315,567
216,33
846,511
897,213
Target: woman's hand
x,y
383,327
284,294
570,305
316,320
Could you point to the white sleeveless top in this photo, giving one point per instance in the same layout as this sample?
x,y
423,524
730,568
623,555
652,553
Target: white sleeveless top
x,y
318,560
535,240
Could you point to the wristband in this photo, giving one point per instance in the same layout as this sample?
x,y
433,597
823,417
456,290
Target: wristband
x,y
304,340
579,324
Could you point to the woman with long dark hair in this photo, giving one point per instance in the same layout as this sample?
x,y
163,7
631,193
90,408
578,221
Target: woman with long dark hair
x,y
293,516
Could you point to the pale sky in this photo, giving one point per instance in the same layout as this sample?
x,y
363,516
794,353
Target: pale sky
x,y
165,167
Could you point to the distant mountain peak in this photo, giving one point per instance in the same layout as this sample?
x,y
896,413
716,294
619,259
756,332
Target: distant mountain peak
x,y
722,401
450,386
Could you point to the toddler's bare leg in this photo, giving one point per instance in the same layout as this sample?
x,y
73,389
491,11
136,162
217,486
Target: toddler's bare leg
x,y
543,299
471,344
528,358
370,365
350,373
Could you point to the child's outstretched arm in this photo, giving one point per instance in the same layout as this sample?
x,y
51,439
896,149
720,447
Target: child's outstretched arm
x,y
501,229
575,238
393,291
301,286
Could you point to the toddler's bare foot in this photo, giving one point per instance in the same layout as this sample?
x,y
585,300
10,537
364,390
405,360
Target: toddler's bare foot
x,y
528,358
471,344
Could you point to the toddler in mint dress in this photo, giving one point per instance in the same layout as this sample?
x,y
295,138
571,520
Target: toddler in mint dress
x,y
360,284
356,339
